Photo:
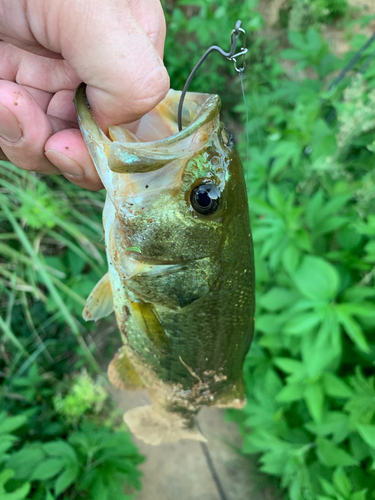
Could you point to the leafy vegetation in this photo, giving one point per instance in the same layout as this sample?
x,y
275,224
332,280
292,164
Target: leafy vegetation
x,y
59,434
59,446
310,377
309,374
304,14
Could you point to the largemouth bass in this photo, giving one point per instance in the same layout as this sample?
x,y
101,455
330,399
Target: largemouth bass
x,y
180,257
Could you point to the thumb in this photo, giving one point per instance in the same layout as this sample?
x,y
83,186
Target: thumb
x,y
108,44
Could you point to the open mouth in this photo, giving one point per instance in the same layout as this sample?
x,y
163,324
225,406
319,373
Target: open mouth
x,y
158,140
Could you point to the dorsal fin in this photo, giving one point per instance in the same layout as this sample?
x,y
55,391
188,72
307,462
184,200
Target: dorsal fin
x,y
100,301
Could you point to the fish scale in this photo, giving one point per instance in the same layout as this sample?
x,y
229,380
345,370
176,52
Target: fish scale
x,y
181,267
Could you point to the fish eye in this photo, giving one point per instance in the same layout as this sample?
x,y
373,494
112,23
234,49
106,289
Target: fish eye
x,y
205,199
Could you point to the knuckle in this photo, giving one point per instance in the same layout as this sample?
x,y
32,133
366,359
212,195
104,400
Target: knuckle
x,y
155,87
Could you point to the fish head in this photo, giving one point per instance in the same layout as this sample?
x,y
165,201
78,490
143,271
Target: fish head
x,y
174,194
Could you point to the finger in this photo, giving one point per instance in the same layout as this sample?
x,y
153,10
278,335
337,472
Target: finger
x,y
61,105
20,139
15,28
109,50
41,97
150,16
68,152
35,71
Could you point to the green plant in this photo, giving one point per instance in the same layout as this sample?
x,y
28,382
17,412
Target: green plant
x,y
83,395
50,253
195,26
307,13
309,374
60,444
93,463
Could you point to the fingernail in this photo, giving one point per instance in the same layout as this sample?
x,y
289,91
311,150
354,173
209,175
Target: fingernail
x,y
66,165
10,129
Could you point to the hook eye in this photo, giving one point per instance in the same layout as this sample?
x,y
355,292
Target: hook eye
x,y
236,32
243,50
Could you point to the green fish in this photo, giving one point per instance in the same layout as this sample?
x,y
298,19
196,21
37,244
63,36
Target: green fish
x,y
180,258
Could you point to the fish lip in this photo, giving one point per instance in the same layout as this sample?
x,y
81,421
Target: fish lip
x,y
208,111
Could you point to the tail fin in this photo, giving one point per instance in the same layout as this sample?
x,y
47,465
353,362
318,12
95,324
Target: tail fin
x,y
155,426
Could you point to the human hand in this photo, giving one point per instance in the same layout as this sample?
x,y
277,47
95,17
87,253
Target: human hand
x,y
47,48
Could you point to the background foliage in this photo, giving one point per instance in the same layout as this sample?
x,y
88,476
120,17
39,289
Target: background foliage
x,y
311,181
59,434
310,378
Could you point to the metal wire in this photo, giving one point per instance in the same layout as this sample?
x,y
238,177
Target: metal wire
x,y
229,55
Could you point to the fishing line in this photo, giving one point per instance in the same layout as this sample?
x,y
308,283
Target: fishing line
x,y
247,128
212,468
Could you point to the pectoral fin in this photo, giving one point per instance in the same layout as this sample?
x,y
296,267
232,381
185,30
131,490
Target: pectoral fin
x,y
122,374
146,318
100,301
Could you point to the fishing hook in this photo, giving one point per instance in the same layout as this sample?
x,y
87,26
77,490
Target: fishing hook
x,y
231,56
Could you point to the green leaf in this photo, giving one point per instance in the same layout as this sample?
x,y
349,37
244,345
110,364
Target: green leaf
x,y
359,495
291,258
333,422
289,365
342,482
47,469
328,488
314,398
364,310
352,329
60,449
18,494
24,461
10,424
290,392
297,39
302,323
335,387
331,455
66,479
277,298
268,323
367,433
316,279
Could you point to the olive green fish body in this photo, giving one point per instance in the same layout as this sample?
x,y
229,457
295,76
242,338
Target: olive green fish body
x,y
180,261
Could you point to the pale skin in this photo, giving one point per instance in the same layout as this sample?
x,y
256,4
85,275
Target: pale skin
x,y
47,47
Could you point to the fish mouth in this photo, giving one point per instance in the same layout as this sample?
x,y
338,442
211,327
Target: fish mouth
x,y
158,141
